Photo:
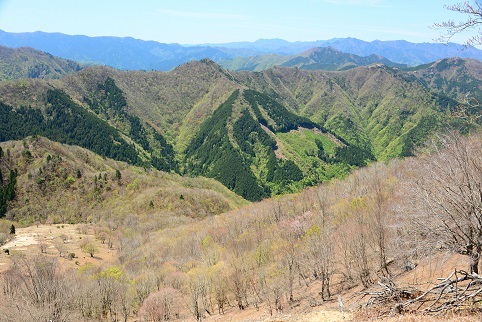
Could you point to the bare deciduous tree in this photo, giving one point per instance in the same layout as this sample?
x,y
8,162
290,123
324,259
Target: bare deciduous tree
x,y
450,190
163,305
473,11
41,292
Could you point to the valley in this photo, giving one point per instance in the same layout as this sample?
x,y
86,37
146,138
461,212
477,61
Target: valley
x,y
161,119
325,187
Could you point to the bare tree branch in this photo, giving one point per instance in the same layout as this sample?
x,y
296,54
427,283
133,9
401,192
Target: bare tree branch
x,y
473,11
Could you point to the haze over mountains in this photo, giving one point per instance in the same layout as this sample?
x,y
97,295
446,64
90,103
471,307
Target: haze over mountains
x,y
134,54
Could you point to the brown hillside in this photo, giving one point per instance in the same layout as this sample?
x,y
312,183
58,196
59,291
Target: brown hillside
x,y
283,259
60,184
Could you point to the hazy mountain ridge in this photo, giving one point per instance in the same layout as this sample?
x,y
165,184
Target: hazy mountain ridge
x,y
398,51
122,53
318,58
133,54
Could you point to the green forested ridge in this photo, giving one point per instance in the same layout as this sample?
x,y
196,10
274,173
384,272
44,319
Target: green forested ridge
x,y
7,190
323,58
375,108
258,151
286,128
247,131
16,63
212,154
110,103
453,79
281,119
66,122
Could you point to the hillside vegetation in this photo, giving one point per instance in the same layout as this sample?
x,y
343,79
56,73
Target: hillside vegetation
x,y
289,254
30,63
285,129
459,79
58,183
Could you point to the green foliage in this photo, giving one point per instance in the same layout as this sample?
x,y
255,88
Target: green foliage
x,y
7,192
17,63
70,180
286,171
27,155
12,229
281,119
353,155
116,99
89,248
250,167
110,103
66,122
164,158
114,273
347,131
417,134
212,154
247,132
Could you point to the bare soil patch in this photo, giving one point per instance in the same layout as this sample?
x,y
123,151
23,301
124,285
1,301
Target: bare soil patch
x,y
32,240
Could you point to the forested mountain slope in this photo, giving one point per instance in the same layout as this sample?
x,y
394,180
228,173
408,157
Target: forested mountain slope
x,y
375,107
457,78
389,225
30,63
285,128
59,183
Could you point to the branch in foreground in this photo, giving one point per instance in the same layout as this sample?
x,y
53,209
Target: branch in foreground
x,y
457,292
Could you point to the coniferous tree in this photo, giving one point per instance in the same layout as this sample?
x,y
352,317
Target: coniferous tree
x,y
118,175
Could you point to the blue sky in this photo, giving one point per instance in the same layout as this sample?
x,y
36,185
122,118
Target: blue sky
x,y
216,21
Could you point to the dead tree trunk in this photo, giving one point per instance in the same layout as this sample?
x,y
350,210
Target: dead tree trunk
x,y
474,263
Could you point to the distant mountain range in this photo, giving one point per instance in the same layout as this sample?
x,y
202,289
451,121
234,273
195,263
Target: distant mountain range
x,y
319,58
134,54
121,53
398,51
